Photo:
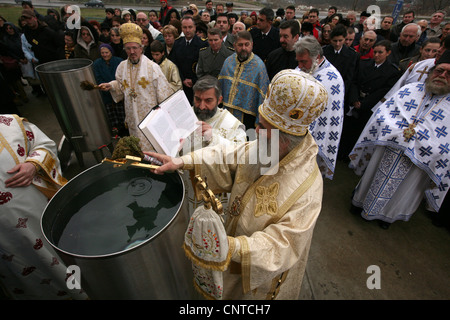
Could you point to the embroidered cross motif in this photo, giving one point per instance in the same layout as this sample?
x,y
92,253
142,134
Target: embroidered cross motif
x,y
442,163
386,130
334,121
334,135
402,124
380,120
335,89
404,93
266,200
331,75
322,121
423,134
336,105
411,104
437,115
394,113
125,84
441,131
444,148
422,73
389,103
331,149
425,152
143,82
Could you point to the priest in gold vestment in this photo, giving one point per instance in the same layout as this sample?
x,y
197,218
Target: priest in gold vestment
x,y
139,82
273,209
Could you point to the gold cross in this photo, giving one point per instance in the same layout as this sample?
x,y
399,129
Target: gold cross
x,y
422,72
125,84
143,82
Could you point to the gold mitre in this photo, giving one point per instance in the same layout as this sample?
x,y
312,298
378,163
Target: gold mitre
x,y
130,32
293,101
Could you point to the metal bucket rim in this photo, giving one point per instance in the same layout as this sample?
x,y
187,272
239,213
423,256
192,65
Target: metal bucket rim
x,y
41,66
114,254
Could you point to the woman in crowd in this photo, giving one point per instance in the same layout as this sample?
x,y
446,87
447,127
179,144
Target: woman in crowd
x,y
117,43
87,43
12,57
147,39
324,38
105,71
172,15
170,34
153,18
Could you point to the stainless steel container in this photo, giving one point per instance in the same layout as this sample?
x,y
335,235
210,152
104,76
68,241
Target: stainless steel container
x,y
80,113
124,230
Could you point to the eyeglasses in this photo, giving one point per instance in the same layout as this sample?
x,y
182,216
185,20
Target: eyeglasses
x,y
141,19
134,48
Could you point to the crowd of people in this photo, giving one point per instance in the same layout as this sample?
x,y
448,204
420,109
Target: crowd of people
x,y
264,68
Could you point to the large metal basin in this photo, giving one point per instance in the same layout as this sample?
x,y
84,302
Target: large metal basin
x,y
124,229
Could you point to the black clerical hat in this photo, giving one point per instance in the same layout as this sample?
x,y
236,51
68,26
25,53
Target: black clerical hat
x,y
445,58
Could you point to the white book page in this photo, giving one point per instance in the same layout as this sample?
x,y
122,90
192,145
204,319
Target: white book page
x,y
181,112
163,130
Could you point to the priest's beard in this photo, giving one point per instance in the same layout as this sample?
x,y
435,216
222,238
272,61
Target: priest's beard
x,y
313,68
243,55
204,115
437,88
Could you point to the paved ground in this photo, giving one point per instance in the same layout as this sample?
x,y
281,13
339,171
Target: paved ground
x,y
413,258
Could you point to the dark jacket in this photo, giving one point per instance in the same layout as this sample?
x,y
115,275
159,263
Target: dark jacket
x,y
46,43
186,58
371,84
346,62
399,52
280,59
262,46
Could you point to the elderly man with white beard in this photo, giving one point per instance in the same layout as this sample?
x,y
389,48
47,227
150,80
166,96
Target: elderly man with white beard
x,y
403,151
327,128
270,220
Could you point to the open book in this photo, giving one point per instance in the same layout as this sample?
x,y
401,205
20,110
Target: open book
x,y
169,122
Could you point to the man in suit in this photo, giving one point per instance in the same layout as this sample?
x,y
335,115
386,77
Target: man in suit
x,y
374,79
284,57
224,25
185,55
211,59
266,38
344,59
